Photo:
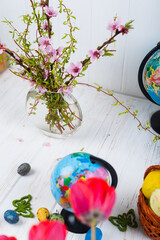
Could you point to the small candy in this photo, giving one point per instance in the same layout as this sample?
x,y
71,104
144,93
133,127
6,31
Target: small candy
x,y
155,202
24,169
98,234
11,216
56,216
42,214
151,183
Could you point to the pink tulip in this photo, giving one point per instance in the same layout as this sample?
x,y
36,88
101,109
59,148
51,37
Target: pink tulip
x,y
50,12
48,230
92,200
3,237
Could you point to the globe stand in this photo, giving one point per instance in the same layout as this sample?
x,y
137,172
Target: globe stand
x,y
72,223
155,122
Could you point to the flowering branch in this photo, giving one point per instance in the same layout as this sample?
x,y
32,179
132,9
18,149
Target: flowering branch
x,y
46,68
133,114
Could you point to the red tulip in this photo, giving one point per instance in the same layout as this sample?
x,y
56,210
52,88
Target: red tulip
x,y
92,200
3,237
48,230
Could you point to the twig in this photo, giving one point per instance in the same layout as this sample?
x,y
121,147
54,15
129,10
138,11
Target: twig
x,y
38,24
111,95
27,79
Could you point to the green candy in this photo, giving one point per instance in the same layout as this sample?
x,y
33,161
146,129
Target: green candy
x,y
124,220
23,206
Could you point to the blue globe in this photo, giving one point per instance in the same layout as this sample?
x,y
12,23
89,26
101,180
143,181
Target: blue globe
x,y
70,169
151,77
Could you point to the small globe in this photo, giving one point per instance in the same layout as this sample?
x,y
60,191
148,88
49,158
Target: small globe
x,y
151,77
72,168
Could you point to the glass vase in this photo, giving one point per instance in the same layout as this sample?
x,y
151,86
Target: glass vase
x,y
55,114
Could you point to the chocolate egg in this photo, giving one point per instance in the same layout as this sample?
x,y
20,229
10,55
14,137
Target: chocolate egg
x,y
42,214
24,169
11,216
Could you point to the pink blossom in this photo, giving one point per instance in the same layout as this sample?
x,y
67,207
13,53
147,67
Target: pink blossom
x,y
46,144
32,84
44,42
42,89
95,54
45,25
59,50
46,60
123,29
113,26
1,46
66,91
46,73
51,53
50,12
75,69
20,140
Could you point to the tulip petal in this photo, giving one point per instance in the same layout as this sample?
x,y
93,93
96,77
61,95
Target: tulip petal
x,y
48,230
79,198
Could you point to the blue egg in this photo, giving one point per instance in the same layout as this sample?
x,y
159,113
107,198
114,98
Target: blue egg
x,y
11,216
24,169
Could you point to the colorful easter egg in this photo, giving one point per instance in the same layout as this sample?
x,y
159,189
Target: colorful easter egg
x,y
151,183
24,169
42,214
56,216
11,216
155,202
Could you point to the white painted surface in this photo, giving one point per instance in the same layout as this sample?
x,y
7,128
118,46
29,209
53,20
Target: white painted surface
x,y
119,72
103,133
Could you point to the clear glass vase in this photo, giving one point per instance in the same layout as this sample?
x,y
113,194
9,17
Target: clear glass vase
x,y
55,114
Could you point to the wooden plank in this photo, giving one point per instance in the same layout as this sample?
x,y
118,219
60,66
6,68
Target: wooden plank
x,y
103,133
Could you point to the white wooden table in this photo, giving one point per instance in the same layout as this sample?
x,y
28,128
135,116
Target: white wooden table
x,y
103,133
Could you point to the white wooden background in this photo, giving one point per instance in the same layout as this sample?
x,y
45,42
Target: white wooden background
x,y
103,133
119,72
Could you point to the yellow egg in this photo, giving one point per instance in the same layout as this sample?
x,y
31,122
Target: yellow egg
x,y
42,214
151,183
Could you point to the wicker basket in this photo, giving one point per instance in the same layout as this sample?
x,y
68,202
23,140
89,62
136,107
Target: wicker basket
x,y
149,220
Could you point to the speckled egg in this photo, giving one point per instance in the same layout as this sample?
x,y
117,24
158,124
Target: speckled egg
x,y
43,214
11,216
56,216
155,202
24,169
151,183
